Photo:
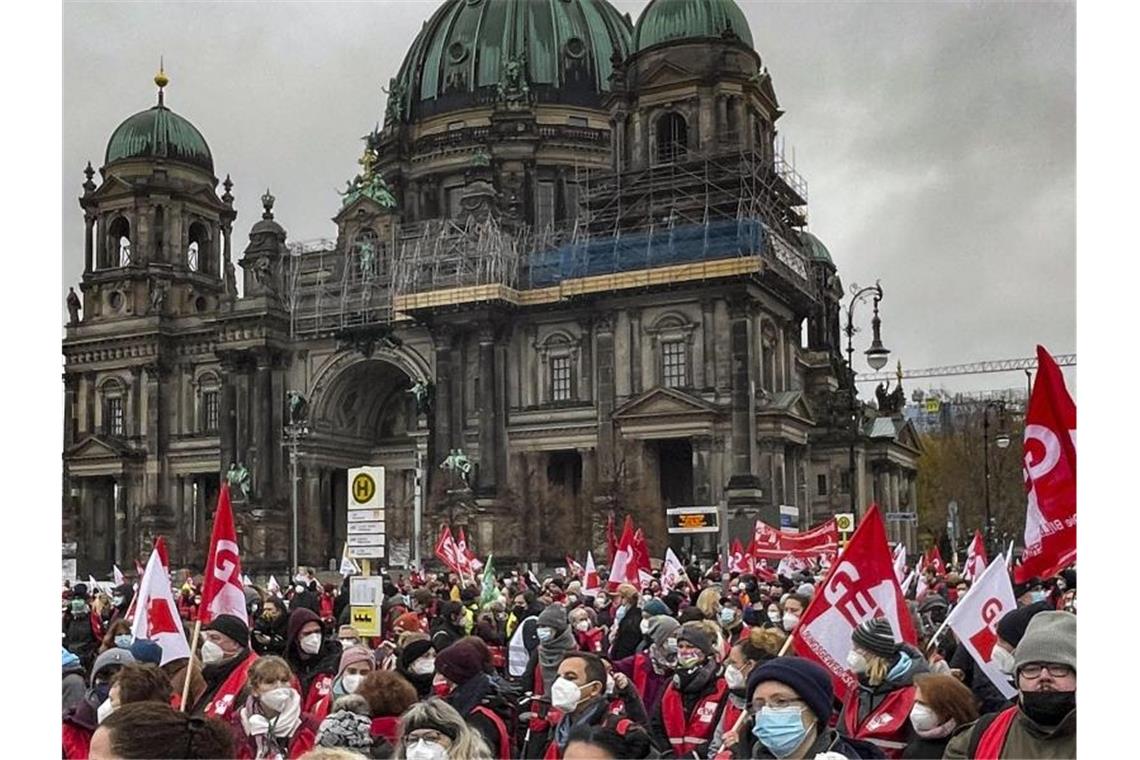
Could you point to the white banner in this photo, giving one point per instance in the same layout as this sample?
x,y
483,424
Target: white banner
x,y
974,620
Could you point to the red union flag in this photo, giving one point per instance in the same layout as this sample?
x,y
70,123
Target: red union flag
x,y
776,545
1050,474
590,583
447,550
156,615
975,557
860,586
736,557
974,620
624,568
222,592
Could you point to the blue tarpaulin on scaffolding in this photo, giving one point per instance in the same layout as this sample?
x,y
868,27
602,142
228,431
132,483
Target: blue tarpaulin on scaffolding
x,y
679,245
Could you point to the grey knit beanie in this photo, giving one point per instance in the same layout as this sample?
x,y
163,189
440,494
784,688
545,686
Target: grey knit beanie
x,y
877,637
1050,637
554,616
660,627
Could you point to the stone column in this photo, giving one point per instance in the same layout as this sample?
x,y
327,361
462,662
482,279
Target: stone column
x,y
70,408
894,490
605,392
722,120
486,406
587,348
743,491
88,243
441,430
635,384
706,368
702,469
227,415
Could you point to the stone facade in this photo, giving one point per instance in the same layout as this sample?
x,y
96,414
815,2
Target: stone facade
x,y
692,380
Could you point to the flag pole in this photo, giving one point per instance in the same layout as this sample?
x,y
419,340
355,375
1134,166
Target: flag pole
x,y
190,663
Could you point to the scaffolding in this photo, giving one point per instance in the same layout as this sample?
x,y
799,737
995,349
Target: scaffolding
x,y
701,216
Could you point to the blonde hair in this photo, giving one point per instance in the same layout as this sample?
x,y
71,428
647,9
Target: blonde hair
x,y
267,670
434,713
628,592
877,668
708,601
331,753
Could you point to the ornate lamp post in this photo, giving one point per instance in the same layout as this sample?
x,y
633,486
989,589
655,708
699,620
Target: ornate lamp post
x,y
1002,441
296,428
876,357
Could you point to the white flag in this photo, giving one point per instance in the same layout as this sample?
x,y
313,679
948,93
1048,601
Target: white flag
x,y
974,620
348,565
672,571
156,615
900,563
273,587
591,584
119,579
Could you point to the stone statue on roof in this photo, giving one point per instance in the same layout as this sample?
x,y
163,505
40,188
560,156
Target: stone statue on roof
x,y
458,462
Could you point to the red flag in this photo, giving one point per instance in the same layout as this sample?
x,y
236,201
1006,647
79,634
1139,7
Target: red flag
x,y
776,545
157,615
1050,475
624,567
975,557
934,560
611,539
590,582
447,550
641,551
471,563
736,557
222,592
860,586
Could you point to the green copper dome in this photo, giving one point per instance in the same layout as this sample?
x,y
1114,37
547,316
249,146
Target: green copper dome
x,y
670,20
158,132
815,249
476,52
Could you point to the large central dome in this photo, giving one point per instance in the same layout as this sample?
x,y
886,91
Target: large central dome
x,y
472,52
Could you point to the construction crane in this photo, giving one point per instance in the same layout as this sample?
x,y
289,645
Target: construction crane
x,y
977,368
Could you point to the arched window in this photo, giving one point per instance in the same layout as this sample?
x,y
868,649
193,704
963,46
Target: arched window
x,y
366,255
209,399
672,137
198,256
118,249
113,395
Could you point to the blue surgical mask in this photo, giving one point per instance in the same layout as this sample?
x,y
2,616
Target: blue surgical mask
x,y
727,616
123,641
780,730
1037,596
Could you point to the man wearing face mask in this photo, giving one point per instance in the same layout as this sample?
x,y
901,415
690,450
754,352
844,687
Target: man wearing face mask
x,y
81,720
448,625
121,598
1043,723
1030,592
691,707
313,658
226,659
651,670
577,698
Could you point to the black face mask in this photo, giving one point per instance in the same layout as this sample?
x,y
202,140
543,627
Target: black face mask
x,y
1048,708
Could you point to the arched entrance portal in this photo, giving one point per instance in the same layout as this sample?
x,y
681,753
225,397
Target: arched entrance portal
x,y
362,414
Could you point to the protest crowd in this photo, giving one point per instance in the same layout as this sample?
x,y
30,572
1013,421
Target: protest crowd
x,y
801,645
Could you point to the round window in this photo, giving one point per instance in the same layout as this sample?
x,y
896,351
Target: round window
x,y
456,52
116,300
575,47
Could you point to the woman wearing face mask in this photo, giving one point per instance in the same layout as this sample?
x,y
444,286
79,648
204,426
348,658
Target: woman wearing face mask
x,y
226,658
118,635
586,632
271,722
878,710
313,657
942,703
652,669
433,730
692,704
792,610
555,639
789,704
627,621
415,661
731,621
271,628
80,722
761,645
355,663
603,605
773,617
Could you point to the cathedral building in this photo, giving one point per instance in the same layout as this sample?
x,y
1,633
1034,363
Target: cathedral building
x,y
571,280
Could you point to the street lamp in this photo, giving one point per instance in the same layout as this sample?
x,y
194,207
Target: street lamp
x,y
1002,441
296,428
876,357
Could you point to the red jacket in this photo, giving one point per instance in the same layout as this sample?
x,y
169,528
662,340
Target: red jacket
x,y
303,740
693,732
591,640
887,726
76,741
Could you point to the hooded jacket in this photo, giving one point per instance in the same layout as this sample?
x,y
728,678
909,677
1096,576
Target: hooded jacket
x,y
444,633
309,668
74,684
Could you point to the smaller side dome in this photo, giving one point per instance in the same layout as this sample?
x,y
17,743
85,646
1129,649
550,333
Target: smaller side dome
x,y
674,20
815,249
158,132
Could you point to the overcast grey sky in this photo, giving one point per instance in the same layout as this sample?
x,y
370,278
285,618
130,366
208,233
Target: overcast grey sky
x,y
937,139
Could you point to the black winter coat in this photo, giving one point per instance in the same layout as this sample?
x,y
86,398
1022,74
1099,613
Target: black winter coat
x,y
624,641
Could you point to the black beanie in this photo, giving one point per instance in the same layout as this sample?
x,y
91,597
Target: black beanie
x,y
231,627
875,635
1012,625
1029,585
810,681
413,651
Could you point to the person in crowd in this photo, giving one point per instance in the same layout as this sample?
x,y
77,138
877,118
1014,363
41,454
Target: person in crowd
x,y
409,622
158,731
448,626
789,706
587,634
1030,592
139,682
877,710
731,621
347,725
389,696
475,695
121,598
356,662
931,613
226,659
626,634
1043,722
792,609
306,596
146,651
603,606
271,722
942,704
577,697
773,617
759,646
270,630
415,661
74,683
178,670
708,602
692,704
313,657
80,722
118,634
83,628
651,670
433,730
555,639
1010,629
617,739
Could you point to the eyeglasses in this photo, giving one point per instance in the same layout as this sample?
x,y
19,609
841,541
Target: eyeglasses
x,y
1033,670
425,734
776,703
